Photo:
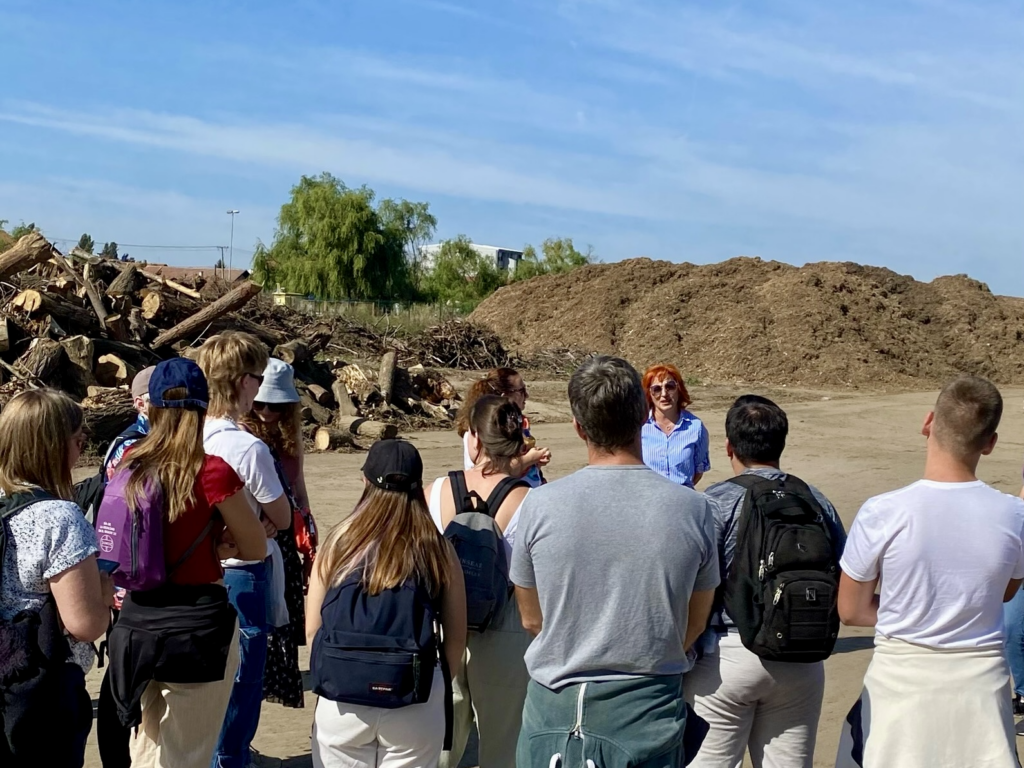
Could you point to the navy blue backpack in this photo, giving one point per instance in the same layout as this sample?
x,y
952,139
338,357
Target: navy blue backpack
x,y
378,650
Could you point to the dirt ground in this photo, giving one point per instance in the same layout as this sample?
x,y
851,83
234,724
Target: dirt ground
x,y
850,446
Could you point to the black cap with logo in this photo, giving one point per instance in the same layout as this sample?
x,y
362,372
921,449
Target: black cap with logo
x,y
394,465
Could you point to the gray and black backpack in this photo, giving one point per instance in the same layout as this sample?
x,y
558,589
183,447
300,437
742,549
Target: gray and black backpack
x,y
478,542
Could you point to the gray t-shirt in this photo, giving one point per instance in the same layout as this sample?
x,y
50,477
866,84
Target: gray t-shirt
x,y
728,498
614,553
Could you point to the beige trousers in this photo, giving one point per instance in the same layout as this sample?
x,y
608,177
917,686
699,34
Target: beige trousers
x,y
491,688
181,722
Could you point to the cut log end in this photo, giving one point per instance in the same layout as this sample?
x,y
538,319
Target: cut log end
x,y
327,439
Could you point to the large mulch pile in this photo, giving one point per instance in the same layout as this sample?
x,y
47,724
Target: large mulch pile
x,y
827,324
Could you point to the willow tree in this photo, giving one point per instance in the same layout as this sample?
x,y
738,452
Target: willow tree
x,y
333,243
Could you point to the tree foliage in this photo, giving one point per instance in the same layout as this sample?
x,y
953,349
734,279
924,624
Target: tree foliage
x,y
333,243
460,275
558,255
23,229
109,250
86,243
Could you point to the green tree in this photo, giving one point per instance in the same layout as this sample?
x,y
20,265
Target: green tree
x,y
333,243
86,243
559,255
462,276
109,250
23,229
413,224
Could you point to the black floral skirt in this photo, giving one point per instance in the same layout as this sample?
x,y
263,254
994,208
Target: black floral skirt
x,y
282,680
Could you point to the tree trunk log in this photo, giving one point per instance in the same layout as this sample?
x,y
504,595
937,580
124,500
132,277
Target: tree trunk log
x,y
137,355
126,283
139,329
72,317
386,379
327,439
80,352
229,302
168,307
322,396
376,430
171,284
30,250
292,352
112,371
345,405
44,359
268,336
5,335
107,415
117,326
311,410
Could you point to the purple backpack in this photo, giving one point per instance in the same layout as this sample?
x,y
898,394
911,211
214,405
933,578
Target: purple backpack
x,y
135,540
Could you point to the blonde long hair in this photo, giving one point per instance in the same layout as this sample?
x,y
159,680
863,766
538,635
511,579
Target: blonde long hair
x,y
171,455
392,537
35,430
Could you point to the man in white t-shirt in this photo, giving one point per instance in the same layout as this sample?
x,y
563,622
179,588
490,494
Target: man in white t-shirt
x,y
233,363
946,552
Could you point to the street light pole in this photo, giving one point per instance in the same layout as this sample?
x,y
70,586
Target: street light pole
x,y
231,246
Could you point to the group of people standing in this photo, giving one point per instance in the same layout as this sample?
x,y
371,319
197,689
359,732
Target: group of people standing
x,y
614,617
216,451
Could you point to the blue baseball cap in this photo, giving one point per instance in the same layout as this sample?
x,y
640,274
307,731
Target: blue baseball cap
x,y
179,373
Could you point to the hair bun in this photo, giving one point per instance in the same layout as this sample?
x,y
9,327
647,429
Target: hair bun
x,y
510,422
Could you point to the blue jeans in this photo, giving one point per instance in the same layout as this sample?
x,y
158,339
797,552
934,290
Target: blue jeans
x,y
248,588
1013,616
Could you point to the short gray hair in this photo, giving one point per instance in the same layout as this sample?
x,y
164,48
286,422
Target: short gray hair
x,y
607,400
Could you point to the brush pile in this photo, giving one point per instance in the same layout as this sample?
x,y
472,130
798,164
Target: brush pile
x,y
86,325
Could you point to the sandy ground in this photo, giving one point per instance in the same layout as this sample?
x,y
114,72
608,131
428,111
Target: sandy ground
x,y
850,446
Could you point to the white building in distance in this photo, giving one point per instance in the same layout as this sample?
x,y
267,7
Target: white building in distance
x,y
504,258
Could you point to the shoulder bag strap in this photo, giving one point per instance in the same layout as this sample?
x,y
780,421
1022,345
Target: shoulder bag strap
x,y
192,547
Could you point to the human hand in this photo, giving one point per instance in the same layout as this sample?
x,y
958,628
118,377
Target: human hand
x,y
269,527
107,589
226,547
538,456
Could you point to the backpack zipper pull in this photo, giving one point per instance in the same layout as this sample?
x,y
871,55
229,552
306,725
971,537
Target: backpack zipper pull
x,y
771,560
760,572
778,594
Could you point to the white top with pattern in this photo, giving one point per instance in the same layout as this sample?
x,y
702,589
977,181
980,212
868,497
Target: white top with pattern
x,y
44,540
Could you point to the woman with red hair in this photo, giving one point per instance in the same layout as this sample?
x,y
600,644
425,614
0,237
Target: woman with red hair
x,y
675,442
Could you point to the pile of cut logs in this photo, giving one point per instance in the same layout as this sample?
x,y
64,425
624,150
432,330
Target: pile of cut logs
x,y
87,325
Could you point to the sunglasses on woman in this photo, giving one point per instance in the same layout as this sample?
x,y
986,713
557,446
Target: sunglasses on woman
x,y
668,386
272,407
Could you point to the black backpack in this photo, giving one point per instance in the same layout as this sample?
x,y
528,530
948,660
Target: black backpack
x,y
781,590
31,641
379,650
89,492
478,543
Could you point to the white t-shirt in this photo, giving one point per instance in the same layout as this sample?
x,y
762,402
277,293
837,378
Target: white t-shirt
x,y
944,553
434,505
251,459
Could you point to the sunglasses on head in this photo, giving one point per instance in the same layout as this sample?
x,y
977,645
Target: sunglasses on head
x,y
272,407
668,386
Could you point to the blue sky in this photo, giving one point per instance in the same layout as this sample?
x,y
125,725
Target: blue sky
x,y
886,132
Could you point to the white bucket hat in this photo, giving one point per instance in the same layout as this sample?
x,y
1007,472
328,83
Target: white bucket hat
x,y
278,383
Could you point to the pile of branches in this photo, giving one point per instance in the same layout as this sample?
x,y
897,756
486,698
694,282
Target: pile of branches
x,y
460,344
558,361
87,325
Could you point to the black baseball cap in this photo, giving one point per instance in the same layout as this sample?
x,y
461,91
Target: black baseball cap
x,y
394,465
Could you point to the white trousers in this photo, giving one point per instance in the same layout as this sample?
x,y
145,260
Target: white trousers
x,y
770,707
354,736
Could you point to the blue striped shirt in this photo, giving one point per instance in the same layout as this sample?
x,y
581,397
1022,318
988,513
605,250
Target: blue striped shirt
x,y
679,455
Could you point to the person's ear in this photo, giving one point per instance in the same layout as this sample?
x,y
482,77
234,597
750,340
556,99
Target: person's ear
x,y
991,445
729,450
929,422
579,430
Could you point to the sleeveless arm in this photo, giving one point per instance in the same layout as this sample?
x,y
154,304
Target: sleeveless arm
x,y
453,613
314,601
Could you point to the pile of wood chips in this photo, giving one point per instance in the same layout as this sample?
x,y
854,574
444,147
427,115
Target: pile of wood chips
x,y
86,325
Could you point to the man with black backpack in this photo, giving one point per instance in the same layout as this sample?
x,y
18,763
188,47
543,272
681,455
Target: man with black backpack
x,y
760,680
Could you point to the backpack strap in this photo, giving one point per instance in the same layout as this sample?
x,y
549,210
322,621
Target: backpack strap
x,y
12,505
192,547
463,496
501,491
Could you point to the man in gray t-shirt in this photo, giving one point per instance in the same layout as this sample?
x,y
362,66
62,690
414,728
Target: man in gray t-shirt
x,y
615,569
